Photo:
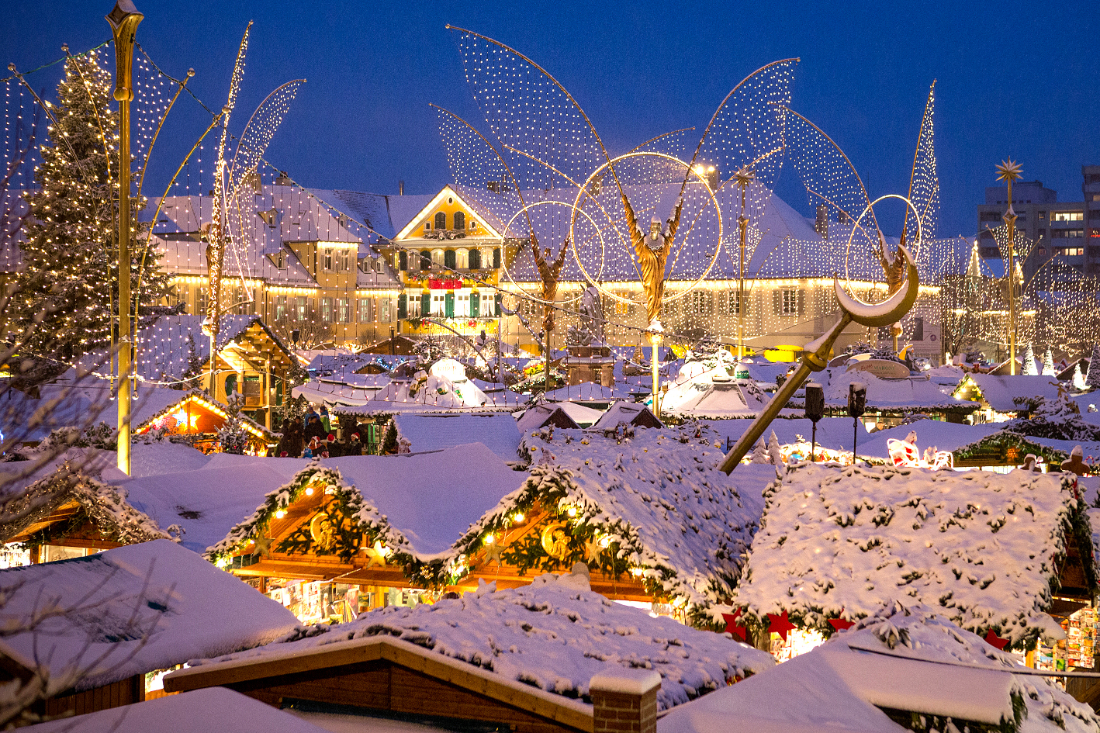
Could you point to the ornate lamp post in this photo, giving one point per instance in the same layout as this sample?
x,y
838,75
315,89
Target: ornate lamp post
x,y
124,19
744,177
1009,171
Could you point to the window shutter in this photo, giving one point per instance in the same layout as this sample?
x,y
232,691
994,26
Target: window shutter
x,y
425,260
475,259
801,301
496,304
475,301
402,260
449,303
496,258
449,259
425,304
777,301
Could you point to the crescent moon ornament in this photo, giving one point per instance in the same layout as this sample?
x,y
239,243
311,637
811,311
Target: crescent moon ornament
x,y
888,311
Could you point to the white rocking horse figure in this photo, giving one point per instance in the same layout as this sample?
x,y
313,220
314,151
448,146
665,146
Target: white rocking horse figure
x,y
906,453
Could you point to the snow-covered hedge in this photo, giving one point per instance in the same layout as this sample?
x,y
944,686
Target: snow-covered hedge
x,y
848,543
654,505
554,635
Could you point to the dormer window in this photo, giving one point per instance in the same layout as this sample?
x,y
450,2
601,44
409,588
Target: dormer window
x,y
427,226
440,220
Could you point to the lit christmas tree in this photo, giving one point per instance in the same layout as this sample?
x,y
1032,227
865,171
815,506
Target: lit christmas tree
x,y
1048,364
70,275
1030,368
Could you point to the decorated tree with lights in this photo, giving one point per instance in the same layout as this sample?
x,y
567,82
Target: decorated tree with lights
x,y
1030,367
1092,378
70,276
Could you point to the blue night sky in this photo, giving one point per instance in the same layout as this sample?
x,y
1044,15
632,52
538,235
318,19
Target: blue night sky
x,y
1014,79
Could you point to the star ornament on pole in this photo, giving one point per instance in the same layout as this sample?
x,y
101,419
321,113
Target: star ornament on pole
x,y
1009,171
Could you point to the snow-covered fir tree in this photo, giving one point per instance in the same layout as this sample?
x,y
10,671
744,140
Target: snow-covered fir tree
x,y
70,274
1030,367
1092,377
1048,364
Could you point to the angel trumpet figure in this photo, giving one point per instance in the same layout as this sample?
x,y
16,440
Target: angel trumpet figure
x,y
652,250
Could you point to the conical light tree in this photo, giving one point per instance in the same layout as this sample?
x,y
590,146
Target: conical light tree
x,y
1048,364
65,302
1029,367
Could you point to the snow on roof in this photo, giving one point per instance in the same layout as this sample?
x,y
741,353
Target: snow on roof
x,y
422,503
425,433
676,518
133,609
619,413
587,392
430,392
539,414
915,661
915,393
207,503
198,711
853,541
701,390
331,392
930,434
554,635
1002,391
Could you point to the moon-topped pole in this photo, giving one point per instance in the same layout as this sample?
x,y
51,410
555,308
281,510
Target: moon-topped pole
x,y
816,356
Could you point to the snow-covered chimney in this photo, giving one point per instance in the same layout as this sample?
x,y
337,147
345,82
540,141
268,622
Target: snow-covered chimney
x,y
624,701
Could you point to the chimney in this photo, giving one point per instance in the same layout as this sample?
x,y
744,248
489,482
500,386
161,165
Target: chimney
x,y
400,188
624,701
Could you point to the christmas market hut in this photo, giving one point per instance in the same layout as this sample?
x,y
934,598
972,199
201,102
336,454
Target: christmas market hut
x,y
347,534
890,401
123,618
1005,556
630,414
419,433
909,670
516,659
1003,397
204,420
655,520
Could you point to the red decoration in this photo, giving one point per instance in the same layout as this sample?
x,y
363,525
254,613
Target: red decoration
x,y
444,284
731,624
840,624
995,641
780,625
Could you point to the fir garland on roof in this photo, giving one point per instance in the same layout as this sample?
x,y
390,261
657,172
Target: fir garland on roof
x,y
360,524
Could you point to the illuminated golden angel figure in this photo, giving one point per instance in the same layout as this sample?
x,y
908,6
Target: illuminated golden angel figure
x,y
652,250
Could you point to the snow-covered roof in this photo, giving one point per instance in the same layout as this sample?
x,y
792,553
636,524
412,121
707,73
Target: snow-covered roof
x,y
553,635
329,392
132,610
198,711
426,433
623,412
703,392
1002,391
680,522
851,542
587,392
423,502
915,661
913,394
540,414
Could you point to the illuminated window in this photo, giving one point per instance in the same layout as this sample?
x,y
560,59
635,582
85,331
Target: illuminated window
x,y
364,310
326,310
1068,216
462,258
328,260
343,310
301,307
788,302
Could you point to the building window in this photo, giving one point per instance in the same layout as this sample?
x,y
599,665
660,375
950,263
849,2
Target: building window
x,y
462,304
475,259
440,220
301,307
1068,216
427,226
328,260
200,301
700,302
437,304
437,258
414,307
326,310
1070,251
280,307
734,304
1067,233
788,302
364,310
425,260
462,258
343,310
460,221
386,310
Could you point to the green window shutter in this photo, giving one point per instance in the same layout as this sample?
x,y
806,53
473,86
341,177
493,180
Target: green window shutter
x,y
449,259
475,259
475,304
449,304
402,260
425,305
402,306
496,304
496,258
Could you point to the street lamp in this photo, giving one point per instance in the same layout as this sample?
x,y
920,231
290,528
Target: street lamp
x,y
1009,171
124,19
